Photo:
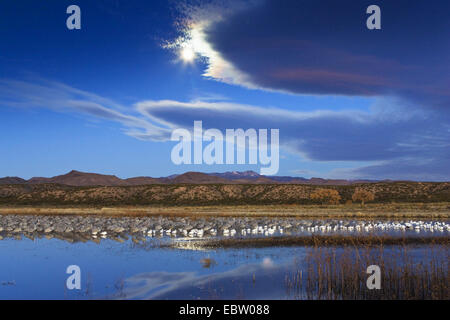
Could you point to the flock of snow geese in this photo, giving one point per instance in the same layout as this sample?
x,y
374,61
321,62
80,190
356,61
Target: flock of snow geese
x,y
305,228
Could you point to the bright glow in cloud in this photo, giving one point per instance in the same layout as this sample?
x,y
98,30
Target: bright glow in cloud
x,y
187,54
296,48
193,42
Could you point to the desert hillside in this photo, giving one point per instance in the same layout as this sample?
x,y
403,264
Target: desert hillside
x,y
212,194
82,179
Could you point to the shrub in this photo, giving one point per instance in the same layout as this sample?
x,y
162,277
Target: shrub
x,y
363,196
326,196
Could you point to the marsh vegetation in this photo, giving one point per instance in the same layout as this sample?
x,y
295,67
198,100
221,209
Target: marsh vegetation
x,y
341,273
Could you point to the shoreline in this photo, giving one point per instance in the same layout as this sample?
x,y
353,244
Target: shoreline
x,y
390,210
227,229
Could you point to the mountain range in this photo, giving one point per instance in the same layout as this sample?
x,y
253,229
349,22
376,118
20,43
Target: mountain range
x,y
77,178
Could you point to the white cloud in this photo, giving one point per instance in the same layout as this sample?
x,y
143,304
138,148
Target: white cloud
x,y
399,143
63,98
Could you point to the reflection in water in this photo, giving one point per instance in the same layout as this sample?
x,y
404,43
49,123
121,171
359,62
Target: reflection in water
x,y
208,262
93,228
36,269
252,281
321,273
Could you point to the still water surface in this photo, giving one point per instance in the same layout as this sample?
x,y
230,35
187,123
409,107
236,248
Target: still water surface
x,y
36,269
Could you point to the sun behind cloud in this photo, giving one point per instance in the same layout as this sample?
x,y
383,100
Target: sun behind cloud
x,y
187,54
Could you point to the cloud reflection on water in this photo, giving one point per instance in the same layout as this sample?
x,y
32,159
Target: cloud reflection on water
x,y
261,281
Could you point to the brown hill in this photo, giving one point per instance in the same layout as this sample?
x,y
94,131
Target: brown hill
x,y
139,181
77,178
321,181
12,180
198,178
260,180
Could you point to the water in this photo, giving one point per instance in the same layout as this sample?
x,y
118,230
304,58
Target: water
x,y
36,269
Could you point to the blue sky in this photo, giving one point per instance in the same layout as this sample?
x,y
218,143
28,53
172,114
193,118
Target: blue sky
x,y
349,102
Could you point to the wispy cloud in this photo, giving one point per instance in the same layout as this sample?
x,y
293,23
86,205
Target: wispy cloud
x,y
400,142
59,97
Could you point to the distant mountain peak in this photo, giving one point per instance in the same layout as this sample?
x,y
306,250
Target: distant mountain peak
x,y
12,180
74,173
78,178
234,175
